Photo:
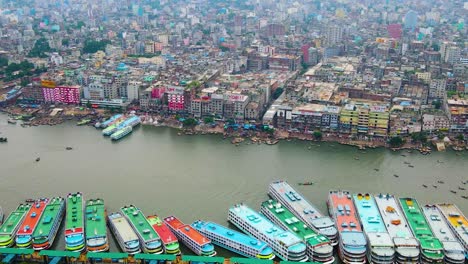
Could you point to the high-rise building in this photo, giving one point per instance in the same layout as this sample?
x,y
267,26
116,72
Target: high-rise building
x,y
334,34
132,90
452,55
411,20
437,88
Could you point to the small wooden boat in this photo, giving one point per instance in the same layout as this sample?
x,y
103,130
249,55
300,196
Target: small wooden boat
x,y
441,182
376,169
406,163
38,159
68,148
424,185
411,166
306,183
435,186
461,188
396,176
403,155
464,197
452,191
29,200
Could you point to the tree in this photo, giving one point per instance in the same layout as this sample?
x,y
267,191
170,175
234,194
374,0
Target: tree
x,y
41,47
419,137
189,122
317,135
92,46
3,62
460,137
396,142
65,42
208,120
437,104
88,104
277,93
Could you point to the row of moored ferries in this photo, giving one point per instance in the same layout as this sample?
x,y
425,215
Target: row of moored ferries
x,y
119,126
366,229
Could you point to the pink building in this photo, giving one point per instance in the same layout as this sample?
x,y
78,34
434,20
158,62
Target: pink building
x,y
175,98
62,94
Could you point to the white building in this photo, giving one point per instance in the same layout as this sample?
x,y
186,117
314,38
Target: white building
x,y
334,35
437,88
433,122
133,88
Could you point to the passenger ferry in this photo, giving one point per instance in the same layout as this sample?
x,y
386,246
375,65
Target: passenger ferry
x,y
169,240
285,244
457,222
234,241
319,247
380,247
352,246
406,245
453,250
24,233
121,133
74,223
193,239
149,239
111,120
124,233
431,247
303,209
46,230
96,228
12,223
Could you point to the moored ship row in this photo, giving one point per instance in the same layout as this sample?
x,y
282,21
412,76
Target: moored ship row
x,y
49,223
285,244
319,247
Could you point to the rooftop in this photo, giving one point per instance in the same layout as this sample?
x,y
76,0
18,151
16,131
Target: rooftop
x,y
392,216
456,219
95,218
263,225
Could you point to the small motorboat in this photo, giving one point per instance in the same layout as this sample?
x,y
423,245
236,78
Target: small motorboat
x,y
441,182
306,183
424,185
403,155
11,121
411,166
464,197
29,200
376,169
461,188
435,186
396,176
38,159
452,191
68,148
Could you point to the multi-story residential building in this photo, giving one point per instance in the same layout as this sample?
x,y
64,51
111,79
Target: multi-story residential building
x,y
133,88
284,62
435,122
234,106
94,91
62,94
349,117
333,35
437,88
378,120
175,98
458,114
331,118
424,76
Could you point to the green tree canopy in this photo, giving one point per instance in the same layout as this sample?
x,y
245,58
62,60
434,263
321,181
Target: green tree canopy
x,y
396,142
92,46
41,47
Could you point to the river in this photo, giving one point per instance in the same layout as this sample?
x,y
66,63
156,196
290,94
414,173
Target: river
x,y
200,177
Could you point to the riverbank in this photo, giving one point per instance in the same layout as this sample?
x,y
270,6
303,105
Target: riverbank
x,y
57,115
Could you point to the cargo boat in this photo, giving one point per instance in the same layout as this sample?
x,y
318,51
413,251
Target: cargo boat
x,y
46,230
149,239
454,252
124,233
234,241
168,239
431,247
319,247
193,239
11,225
31,220
111,120
303,209
96,228
380,247
406,245
352,245
74,223
457,222
285,244
121,133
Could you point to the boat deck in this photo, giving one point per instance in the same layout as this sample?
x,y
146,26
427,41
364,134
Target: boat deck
x,y
439,227
51,211
32,218
139,222
74,222
457,220
161,228
14,219
229,234
293,224
344,211
392,216
263,225
187,230
122,226
419,225
95,218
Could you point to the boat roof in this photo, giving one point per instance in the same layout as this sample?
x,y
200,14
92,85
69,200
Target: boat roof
x,y
14,219
139,223
263,225
296,201
457,220
122,226
230,234
344,211
113,118
32,217
51,211
161,228
295,225
187,230
437,223
74,221
419,225
95,218
392,216
369,214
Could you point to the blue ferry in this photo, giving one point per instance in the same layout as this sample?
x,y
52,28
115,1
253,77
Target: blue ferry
x,y
380,245
285,244
303,209
110,120
234,241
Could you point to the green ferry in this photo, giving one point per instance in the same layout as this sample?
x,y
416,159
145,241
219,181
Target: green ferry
x,y
96,229
149,239
11,225
431,247
319,247
74,223
46,230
